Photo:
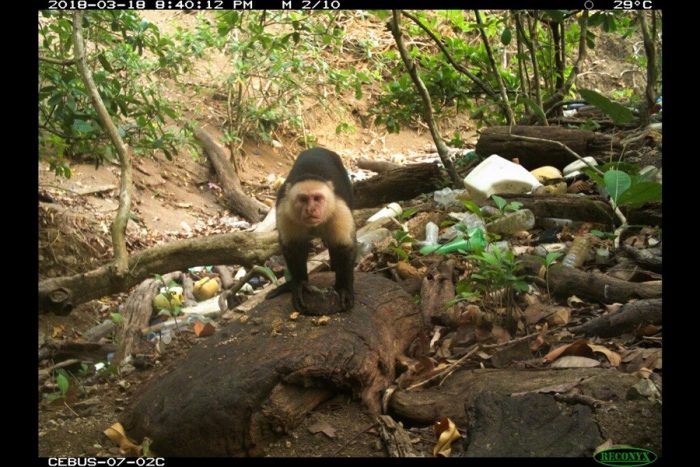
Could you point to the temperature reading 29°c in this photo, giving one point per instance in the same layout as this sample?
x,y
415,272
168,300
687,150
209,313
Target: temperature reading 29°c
x,y
632,4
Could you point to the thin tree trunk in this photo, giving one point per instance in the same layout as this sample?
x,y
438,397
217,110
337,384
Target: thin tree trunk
x,y
427,104
494,69
121,255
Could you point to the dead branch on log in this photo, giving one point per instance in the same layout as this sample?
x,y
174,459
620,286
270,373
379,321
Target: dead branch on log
x,y
137,312
395,437
630,316
565,282
61,294
376,166
237,200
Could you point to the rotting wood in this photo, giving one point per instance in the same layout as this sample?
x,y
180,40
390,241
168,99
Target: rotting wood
x,y
631,316
137,312
395,438
230,379
236,199
531,154
376,166
400,184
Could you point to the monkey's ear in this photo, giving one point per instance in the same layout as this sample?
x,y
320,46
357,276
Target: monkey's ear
x,y
330,185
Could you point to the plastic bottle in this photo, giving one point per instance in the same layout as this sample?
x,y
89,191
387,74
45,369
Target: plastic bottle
x,y
366,241
448,197
476,241
391,210
512,222
578,253
431,233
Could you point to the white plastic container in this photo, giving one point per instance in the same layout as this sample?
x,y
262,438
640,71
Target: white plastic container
x,y
496,175
391,210
574,169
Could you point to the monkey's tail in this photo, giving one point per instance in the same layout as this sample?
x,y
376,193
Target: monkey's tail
x,y
284,288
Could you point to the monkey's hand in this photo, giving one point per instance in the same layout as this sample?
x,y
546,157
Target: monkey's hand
x,y
298,296
347,298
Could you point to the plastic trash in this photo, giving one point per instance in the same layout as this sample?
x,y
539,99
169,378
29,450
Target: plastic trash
x,y
512,222
496,175
476,241
574,169
391,210
449,197
431,234
545,173
365,242
578,253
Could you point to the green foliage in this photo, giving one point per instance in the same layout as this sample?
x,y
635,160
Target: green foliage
x,y
625,185
271,52
407,214
619,113
128,56
496,280
61,378
118,318
504,206
401,237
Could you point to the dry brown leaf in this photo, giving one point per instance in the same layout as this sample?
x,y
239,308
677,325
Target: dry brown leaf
x,y
535,312
322,427
203,329
446,432
560,315
613,357
500,334
575,302
613,307
117,435
294,315
573,361
406,271
579,347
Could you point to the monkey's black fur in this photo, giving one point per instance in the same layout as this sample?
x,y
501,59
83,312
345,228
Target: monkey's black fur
x,y
324,166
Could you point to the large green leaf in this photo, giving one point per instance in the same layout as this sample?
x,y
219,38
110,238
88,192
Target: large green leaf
x,y
640,193
618,113
616,182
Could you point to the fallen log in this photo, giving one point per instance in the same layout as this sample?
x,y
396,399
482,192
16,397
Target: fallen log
x,y
533,154
575,207
632,315
461,398
400,184
236,199
225,398
564,282
592,209
61,294
376,166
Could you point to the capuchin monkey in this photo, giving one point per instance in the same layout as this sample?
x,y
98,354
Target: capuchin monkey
x,y
316,201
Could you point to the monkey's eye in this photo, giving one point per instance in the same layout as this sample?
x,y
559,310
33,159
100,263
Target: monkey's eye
x,y
303,198
317,198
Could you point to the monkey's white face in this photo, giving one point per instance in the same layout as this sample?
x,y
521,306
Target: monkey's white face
x,y
313,202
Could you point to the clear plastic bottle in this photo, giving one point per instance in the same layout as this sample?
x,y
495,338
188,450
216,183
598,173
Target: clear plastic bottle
x,y
512,222
579,251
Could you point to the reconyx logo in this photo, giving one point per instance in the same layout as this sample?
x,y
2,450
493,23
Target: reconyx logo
x,y
625,456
